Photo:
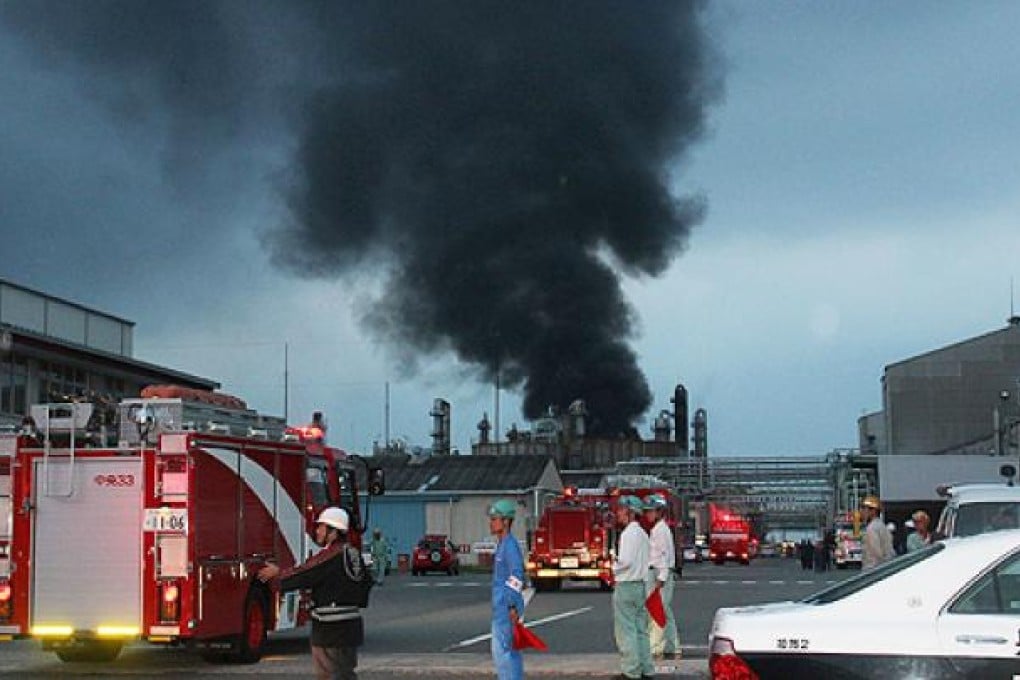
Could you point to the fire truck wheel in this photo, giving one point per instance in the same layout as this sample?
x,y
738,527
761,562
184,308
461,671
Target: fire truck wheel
x,y
544,585
253,633
605,587
92,651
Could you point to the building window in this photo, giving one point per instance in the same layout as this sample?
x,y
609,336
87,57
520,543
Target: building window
x,y
13,386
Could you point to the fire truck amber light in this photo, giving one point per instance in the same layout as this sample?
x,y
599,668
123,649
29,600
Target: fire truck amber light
x,y
170,594
5,591
52,631
117,631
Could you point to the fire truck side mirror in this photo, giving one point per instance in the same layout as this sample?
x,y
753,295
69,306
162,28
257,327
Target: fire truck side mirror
x,y
376,482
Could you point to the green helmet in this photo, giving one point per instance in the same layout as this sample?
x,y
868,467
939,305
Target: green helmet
x,y
503,508
655,501
631,503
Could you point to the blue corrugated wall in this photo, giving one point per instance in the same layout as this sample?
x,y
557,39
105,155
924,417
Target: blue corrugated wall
x,y
402,521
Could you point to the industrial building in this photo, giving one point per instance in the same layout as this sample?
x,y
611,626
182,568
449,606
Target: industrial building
x,y
450,495
564,437
52,349
950,415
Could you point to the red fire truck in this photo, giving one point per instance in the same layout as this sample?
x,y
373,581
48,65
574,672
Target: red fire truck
x,y
729,537
577,533
159,535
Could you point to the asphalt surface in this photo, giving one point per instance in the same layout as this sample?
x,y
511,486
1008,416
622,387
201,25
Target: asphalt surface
x,y
437,626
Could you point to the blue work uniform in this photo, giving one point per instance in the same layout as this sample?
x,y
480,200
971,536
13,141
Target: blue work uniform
x,y
507,592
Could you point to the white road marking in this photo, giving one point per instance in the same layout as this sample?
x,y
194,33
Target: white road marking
x,y
529,624
804,583
748,582
777,583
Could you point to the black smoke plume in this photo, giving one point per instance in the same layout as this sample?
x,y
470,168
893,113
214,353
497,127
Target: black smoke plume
x,y
510,158
504,163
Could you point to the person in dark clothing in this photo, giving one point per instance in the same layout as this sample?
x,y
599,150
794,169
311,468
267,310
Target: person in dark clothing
x,y
806,554
339,583
830,547
820,555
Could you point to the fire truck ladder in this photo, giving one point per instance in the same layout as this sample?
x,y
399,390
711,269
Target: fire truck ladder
x,y
60,419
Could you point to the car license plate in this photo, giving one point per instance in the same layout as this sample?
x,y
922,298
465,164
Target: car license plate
x,y
569,563
166,519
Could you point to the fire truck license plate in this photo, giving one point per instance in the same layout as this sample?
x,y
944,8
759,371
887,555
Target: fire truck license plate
x,y
569,563
165,519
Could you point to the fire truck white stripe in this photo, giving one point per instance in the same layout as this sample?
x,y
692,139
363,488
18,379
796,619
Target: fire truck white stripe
x,y
274,498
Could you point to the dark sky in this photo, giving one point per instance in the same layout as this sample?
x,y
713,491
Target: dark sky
x,y
495,166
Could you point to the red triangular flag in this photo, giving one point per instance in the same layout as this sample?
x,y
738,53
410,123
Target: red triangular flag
x,y
655,609
525,639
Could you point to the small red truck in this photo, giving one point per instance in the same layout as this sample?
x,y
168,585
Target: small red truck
x,y
729,537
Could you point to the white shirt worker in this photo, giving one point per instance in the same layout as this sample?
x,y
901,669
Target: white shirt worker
x,y
632,562
662,557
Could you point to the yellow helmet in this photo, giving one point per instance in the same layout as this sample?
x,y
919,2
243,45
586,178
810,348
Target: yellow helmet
x,y
872,502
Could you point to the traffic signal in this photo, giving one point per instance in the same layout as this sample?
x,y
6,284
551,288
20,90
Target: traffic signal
x,y
376,482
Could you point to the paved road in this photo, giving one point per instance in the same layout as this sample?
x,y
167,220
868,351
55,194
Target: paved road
x,y
438,626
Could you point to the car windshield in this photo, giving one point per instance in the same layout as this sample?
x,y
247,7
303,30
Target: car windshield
x,y
872,576
980,518
432,544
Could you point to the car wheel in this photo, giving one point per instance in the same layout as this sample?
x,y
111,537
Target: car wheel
x,y
252,640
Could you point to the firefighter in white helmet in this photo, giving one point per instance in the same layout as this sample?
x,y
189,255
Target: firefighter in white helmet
x,y
339,583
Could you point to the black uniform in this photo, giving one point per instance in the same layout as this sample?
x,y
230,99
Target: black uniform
x,y
339,583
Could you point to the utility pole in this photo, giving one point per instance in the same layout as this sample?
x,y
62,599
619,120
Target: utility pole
x,y
286,384
386,426
496,440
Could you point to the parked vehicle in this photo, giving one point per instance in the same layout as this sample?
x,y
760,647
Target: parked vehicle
x,y
576,532
435,552
729,538
847,551
978,508
159,535
945,611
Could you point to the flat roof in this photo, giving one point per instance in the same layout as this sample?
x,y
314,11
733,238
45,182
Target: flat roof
x,y
77,305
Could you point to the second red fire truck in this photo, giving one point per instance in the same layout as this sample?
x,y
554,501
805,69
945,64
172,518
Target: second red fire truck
x,y
729,537
576,536
157,532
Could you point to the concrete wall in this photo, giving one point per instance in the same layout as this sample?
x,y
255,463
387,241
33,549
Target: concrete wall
x,y
914,478
946,399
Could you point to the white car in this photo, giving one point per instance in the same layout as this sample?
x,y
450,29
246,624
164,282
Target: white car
x,y
978,508
950,610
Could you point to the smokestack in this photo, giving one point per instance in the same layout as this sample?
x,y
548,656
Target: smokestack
x,y
440,427
701,433
680,417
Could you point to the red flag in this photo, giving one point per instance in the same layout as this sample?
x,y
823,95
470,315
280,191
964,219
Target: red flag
x,y
525,639
655,609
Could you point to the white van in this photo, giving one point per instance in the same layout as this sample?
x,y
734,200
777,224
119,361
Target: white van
x,y
978,508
